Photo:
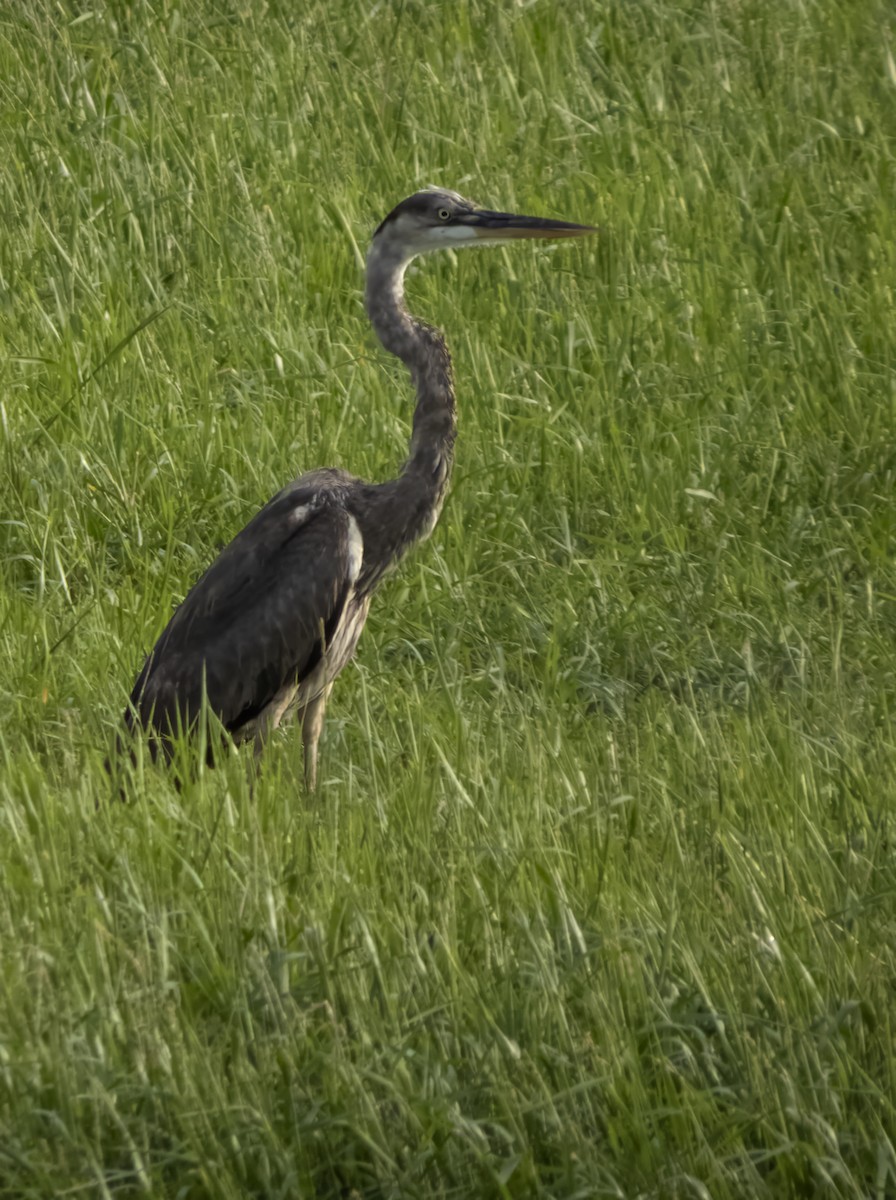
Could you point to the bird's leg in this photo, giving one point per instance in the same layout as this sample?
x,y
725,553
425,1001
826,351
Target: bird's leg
x,y
268,722
312,717
254,770
258,745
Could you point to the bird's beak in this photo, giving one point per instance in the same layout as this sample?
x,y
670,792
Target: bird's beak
x,y
500,226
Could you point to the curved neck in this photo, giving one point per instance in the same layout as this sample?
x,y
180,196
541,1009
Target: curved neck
x,y
423,350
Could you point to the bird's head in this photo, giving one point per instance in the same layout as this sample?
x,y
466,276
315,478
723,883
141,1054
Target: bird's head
x,y
442,220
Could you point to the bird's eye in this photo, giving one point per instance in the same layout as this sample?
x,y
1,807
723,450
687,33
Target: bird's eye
x,y
444,214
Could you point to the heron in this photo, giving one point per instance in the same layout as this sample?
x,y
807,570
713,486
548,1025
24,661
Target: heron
x,y
265,631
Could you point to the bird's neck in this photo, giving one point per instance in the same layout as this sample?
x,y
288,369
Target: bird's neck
x,y
423,350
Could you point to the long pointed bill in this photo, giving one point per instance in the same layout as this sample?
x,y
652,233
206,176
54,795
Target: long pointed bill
x,y
499,226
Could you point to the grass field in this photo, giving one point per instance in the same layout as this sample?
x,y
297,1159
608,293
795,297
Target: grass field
x,y
597,897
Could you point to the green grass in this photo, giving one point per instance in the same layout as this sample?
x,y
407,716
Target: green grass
x,y
598,894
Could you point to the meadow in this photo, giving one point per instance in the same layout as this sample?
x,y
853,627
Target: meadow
x,y
597,894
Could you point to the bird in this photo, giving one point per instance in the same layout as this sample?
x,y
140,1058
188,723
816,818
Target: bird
x,y
267,628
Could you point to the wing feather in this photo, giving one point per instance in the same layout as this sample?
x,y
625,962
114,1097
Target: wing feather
x,y
258,618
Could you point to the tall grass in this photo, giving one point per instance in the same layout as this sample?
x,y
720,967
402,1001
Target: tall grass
x,y
598,896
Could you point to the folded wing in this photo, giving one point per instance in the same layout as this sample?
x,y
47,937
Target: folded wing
x,y
258,620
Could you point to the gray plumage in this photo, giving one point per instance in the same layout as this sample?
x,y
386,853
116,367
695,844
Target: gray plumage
x,y
278,614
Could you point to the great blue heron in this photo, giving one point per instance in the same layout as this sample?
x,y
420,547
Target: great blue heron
x,y
278,614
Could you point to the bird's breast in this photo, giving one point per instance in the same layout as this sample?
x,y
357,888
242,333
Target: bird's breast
x,y
339,651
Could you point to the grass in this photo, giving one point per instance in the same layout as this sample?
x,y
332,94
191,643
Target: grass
x,y
598,894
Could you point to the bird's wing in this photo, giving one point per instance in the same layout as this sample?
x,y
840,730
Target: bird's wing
x,y
259,617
